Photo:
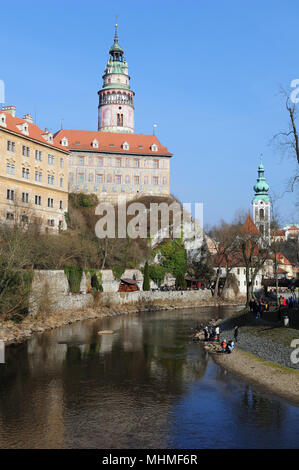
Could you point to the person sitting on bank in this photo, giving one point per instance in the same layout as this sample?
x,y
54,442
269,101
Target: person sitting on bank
x,y
230,347
223,346
206,333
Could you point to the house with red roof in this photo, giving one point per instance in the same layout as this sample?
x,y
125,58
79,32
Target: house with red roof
x,y
33,173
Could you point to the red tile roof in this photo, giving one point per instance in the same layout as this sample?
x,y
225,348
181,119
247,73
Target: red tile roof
x,y
277,233
293,227
34,132
233,260
249,228
111,142
281,271
281,259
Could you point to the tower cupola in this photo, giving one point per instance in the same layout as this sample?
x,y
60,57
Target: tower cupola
x,y
116,99
262,205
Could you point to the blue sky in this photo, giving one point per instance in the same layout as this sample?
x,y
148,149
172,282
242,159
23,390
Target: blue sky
x,y
208,73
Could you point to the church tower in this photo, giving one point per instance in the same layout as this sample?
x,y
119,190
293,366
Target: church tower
x,y
116,107
261,205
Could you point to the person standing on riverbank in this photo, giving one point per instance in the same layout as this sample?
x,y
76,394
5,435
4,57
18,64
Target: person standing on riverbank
x,y
236,332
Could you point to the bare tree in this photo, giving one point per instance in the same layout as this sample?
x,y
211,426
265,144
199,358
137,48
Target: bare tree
x,y
225,247
254,255
288,141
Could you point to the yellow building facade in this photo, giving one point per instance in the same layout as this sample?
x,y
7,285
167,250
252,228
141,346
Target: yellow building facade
x,y
114,164
33,174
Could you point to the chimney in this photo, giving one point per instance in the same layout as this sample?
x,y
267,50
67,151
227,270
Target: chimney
x,y
10,110
27,117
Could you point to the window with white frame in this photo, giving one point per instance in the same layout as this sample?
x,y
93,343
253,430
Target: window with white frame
x,y
51,159
38,176
10,168
25,173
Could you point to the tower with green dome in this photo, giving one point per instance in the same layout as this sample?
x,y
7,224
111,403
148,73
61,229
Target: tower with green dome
x,y
262,205
116,105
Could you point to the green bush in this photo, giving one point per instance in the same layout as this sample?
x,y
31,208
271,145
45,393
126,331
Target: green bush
x,y
118,272
74,276
83,200
95,284
174,257
157,273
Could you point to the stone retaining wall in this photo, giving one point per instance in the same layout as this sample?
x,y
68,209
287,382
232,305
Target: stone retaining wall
x,y
50,292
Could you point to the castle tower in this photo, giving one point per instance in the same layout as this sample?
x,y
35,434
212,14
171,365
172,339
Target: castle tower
x,y
116,107
261,205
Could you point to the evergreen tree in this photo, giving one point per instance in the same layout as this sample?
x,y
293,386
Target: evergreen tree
x,y
146,278
180,282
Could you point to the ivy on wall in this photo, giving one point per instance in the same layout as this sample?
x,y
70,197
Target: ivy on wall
x,y
74,276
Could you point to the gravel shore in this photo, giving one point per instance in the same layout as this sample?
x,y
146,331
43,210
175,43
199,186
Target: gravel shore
x,y
253,370
257,342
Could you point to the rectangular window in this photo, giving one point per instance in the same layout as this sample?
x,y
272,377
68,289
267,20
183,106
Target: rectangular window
x,y
10,194
50,202
156,163
61,163
51,222
50,179
100,178
25,197
118,162
38,176
81,177
155,179
61,182
11,146
38,155
136,179
81,161
25,151
38,200
100,162
51,159
60,204
25,173
10,168
136,163
118,179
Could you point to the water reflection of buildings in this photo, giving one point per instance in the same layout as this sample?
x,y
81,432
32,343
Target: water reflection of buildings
x,y
74,388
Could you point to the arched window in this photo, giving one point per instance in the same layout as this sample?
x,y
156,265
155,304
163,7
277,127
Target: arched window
x,y
262,214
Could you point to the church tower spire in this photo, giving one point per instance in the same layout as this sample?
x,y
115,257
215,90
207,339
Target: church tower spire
x,y
116,106
261,204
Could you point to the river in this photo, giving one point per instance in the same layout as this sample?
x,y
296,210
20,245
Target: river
x,y
145,386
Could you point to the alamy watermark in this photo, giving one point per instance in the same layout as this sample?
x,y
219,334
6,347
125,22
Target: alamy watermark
x,y
158,220
2,92
295,353
2,352
293,95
